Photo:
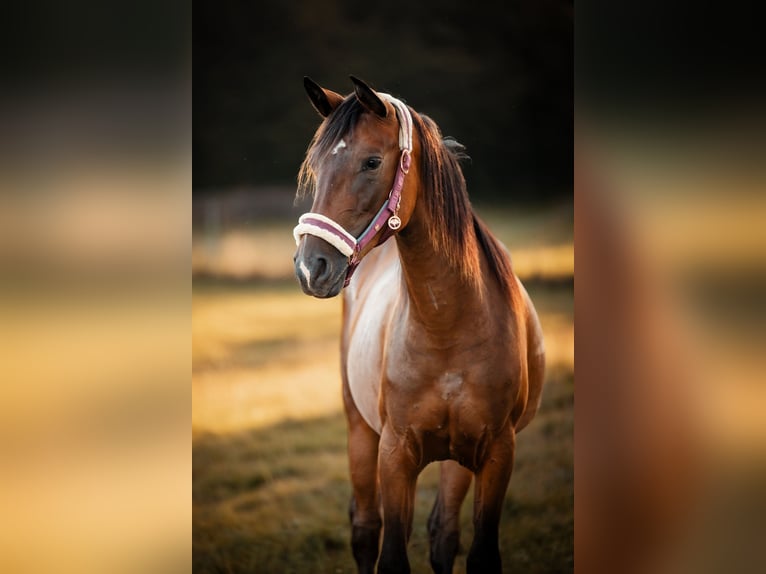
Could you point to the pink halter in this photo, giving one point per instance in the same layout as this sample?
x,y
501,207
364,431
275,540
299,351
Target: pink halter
x,y
352,247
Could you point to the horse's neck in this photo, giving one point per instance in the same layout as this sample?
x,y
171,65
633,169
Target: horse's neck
x,y
440,298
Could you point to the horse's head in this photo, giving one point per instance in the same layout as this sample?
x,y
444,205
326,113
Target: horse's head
x,y
355,166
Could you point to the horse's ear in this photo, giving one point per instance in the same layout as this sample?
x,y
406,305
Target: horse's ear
x,y
368,98
324,101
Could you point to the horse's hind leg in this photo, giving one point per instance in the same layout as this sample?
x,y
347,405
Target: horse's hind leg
x,y
489,492
364,509
444,521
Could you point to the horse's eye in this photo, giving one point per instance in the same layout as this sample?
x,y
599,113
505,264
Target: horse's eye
x,y
371,163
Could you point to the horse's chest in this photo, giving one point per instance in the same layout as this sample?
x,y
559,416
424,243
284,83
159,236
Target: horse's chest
x,y
448,416
365,360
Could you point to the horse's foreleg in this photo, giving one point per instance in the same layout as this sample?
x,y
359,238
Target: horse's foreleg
x,y
491,484
444,521
398,476
364,510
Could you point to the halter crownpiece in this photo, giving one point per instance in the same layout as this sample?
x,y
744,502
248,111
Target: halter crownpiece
x,y
333,233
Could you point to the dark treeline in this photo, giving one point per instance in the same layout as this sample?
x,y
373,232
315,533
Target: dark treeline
x,y
495,75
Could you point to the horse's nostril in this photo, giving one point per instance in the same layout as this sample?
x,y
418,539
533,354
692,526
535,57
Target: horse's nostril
x,y
321,267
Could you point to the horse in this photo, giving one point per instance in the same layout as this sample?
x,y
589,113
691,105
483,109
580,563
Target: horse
x,y
441,348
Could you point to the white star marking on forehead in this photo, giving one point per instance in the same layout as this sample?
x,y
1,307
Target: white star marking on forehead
x,y
340,145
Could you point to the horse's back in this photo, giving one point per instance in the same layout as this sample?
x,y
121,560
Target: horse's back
x,y
369,305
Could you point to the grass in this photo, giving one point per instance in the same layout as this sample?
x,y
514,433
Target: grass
x,y
270,472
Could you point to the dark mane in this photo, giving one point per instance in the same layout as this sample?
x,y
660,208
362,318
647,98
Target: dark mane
x,y
335,126
455,231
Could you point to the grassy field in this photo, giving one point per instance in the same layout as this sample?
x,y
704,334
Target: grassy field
x,y
270,472
540,240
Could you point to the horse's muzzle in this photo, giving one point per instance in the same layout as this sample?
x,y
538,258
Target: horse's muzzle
x,y
320,268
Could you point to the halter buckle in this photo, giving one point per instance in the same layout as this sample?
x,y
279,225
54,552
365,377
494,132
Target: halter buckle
x,y
404,161
394,222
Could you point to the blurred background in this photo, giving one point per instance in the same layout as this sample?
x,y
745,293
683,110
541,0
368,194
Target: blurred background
x,y
270,473
95,179
670,175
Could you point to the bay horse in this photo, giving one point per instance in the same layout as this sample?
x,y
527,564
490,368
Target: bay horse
x,y
442,352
